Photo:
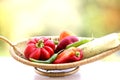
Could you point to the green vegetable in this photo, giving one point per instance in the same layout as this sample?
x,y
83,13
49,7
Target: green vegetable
x,y
100,45
64,42
50,60
78,43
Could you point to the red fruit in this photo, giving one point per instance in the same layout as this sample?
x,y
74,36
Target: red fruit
x,y
66,41
39,48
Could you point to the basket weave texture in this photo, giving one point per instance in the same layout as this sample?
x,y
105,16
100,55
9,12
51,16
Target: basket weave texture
x,y
20,57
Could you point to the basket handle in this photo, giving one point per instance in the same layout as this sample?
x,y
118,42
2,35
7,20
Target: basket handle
x,y
6,40
12,45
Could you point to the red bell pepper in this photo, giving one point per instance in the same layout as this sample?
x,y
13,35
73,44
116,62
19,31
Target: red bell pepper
x,y
39,48
69,55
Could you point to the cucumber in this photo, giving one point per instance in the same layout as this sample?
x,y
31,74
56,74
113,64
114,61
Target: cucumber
x,y
100,45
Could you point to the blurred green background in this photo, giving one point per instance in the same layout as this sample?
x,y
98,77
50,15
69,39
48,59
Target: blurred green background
x,y
25,18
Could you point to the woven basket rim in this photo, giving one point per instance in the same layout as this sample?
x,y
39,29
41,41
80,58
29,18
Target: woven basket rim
x,y
64,65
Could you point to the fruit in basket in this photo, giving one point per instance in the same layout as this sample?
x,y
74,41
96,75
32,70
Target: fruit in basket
x,y
64,34
100,45
42,48
39,48
66,41
48,61
69,55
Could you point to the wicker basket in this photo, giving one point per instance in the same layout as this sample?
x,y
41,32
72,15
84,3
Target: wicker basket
x,y
65,69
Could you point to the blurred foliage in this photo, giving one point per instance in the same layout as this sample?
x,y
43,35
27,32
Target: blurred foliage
x,y
25,18
101,17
